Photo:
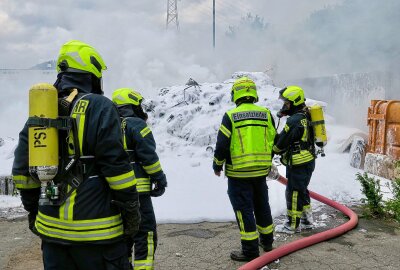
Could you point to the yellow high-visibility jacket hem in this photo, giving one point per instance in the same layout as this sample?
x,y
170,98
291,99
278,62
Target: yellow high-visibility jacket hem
x,y
80,230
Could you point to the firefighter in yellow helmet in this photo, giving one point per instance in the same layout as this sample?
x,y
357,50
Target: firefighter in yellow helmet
x,y
86,227
140,144
244,145
295,144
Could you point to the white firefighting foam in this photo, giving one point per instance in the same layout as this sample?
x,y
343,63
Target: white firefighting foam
x,y
185,125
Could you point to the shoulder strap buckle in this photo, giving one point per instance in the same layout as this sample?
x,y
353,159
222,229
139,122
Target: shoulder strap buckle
x,y
63,123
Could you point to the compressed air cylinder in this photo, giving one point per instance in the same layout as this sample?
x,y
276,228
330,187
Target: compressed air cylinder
x,y
42,140
318,122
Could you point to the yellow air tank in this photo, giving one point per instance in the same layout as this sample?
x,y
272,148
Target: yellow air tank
x,y
43,141
318,123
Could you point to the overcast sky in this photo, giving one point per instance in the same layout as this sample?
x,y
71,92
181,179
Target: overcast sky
x,y
131,36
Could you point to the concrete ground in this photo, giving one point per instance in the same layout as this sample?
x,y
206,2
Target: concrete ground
x,y
373,244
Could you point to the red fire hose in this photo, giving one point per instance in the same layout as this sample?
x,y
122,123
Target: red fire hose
x,y
307,241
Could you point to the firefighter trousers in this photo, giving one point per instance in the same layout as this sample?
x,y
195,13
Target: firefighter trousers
x,y
297,195
145,241
249,199
85,256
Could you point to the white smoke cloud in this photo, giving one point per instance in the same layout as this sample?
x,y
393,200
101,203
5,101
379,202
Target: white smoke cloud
x,y
140,53
132,39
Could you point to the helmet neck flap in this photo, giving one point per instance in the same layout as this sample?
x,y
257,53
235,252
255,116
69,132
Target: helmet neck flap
x,y
84,82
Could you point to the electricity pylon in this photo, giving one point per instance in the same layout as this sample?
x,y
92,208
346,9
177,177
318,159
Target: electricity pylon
x,y
172,13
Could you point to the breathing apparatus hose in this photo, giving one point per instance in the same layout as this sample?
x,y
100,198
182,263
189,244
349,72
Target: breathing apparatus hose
x,y
307,241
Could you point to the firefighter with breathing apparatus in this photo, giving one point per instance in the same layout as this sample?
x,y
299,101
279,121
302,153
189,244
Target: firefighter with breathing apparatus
x,y
140,145
244,145
296,144
72,171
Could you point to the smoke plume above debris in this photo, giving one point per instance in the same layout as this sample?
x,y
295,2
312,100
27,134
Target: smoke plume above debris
x,y
288,39
131,37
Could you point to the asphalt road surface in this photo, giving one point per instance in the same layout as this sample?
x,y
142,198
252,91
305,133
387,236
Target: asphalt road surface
x,y
373,244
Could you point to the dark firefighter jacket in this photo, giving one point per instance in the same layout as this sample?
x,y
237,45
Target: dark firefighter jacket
x,y
87,215
247,134
140,144
294,143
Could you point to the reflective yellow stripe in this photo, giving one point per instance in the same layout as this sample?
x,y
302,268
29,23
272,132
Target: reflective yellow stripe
x,y
239,216
151,169
252,155
262,171
80,123
79,225
255,163
305,133
294,209
219,162
144,265
303,157
248,170
147,264
150,246
124,141
248,236
307,207
123,128
145,131
225,131
245,174
25,182
80,230
254,160
276,149
266,230
67,208
247,161
294,214
122,181
142,189
78,114
96,235
286,128
71,204
81,127
143,185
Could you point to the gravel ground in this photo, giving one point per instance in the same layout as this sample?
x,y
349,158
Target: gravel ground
x,y
373,244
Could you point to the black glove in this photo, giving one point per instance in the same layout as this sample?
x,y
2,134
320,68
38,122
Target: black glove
x,y
130,216
160,183
217,168
31,222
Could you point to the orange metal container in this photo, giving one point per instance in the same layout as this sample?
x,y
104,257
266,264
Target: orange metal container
x,y
384,128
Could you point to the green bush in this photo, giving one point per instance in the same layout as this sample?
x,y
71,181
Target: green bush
x,y
393,205
372,190
374,204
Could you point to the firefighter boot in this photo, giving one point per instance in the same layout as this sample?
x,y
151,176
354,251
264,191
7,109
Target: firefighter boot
x,y
306,221
241,257
286,228
266,247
